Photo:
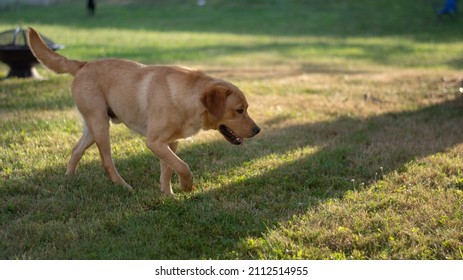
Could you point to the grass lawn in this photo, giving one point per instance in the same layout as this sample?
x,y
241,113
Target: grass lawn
x,y
360,154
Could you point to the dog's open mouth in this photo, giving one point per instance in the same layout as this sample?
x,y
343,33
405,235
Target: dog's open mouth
x,y
230,135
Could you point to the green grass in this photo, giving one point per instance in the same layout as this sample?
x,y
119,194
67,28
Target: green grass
x,y
360,154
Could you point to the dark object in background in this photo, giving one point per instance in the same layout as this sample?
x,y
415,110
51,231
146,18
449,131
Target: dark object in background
x,y
15,52
91,6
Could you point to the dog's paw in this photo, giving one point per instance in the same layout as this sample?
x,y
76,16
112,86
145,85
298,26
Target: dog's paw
x,y
191,189
167,191
168,195
128,187
187,183
70,173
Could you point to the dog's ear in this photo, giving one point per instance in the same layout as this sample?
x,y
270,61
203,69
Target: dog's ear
x,y
214,100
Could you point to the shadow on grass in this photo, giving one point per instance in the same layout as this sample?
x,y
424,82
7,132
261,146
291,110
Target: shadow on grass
x,y
18,95
415,19
87,217
352,149
372,52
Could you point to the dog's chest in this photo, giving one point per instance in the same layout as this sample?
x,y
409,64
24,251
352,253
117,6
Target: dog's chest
x,y
190,127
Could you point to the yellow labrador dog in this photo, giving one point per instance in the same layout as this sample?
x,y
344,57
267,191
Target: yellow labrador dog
x,y
163,103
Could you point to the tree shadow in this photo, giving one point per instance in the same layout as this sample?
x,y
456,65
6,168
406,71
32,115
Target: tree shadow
x,y
415,19
349,151
372,52
18,95
352,151
331,21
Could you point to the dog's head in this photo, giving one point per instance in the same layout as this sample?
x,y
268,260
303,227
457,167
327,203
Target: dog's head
x,y
226,111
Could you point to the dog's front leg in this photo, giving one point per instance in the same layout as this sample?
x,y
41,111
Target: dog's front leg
x,y
169,158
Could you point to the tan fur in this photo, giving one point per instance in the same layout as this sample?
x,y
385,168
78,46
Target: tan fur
x,y
163,103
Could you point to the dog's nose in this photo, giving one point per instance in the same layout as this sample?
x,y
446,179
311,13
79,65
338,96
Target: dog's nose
x,y
256,130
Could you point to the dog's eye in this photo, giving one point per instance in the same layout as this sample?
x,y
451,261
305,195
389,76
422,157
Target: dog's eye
x,y
240,111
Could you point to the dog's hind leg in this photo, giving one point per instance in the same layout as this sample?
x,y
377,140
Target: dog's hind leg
x,y
166,172
98,125
78,151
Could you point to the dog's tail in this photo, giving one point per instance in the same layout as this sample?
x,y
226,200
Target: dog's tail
x,y
50,58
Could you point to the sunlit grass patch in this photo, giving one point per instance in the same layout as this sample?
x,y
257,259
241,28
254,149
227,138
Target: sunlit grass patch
x,y
392,220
